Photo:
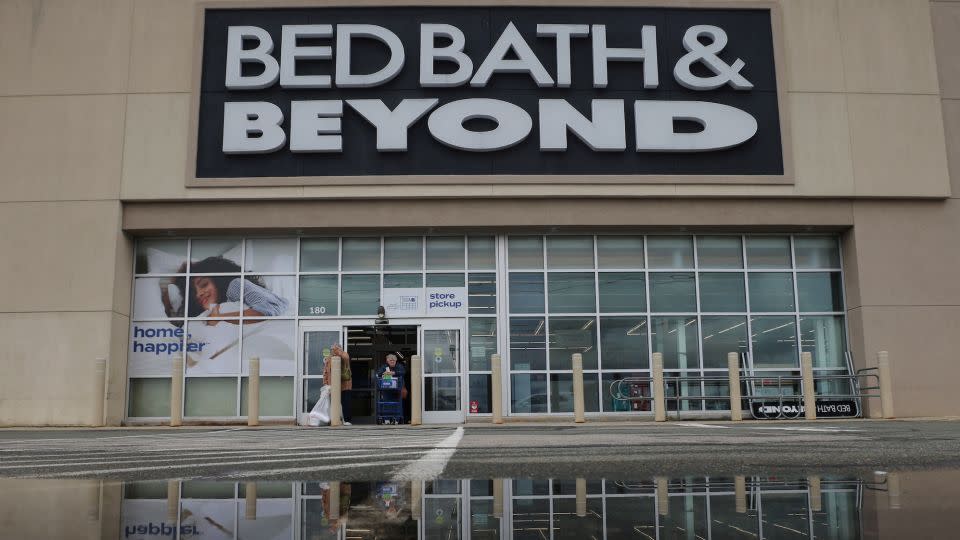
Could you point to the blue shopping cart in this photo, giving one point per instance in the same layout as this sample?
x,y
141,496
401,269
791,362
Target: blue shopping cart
x,y
390,400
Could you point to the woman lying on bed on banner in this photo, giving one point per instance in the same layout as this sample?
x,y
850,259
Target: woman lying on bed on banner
x,y
207,293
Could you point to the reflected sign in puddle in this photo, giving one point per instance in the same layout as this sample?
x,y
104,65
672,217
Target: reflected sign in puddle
x,y
895,505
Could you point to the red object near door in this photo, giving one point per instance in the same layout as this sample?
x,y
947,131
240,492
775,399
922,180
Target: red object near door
x,y
474,407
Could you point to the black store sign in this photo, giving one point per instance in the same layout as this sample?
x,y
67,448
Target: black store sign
x,y
826,408
318,92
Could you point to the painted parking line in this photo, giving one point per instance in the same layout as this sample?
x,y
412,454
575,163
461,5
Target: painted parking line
x,y
431,464
695,424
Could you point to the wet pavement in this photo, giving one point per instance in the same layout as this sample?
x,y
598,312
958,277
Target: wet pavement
x,y
914,505
689,480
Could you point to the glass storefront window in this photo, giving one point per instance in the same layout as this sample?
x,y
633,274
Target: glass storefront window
x,y
569,335
817,251
525,252
319,254
401,281
774,342
445,253
526,292
360,294
620,252
771,292
210,397
561,393
360,254
276,396
668,252
272,341
445,280
528,393
672,292
213,347
722,292
768,252
483,342
276,255
716,252
569,252
823,337
570,292
401,253
149,398
481,253
722,335
161,256
482,294
677,339
215,256
622,292
623,341
481,393
819,291
528,344
318,295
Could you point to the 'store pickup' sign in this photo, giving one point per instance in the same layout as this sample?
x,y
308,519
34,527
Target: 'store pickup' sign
x,y
320,92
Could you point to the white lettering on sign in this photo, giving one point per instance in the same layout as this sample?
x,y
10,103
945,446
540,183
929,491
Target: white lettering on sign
x,y
446,301
258,127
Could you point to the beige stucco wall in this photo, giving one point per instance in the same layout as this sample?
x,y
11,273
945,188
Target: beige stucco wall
x,y
95,112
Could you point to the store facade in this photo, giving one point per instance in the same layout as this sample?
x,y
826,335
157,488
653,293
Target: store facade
x,y
467,179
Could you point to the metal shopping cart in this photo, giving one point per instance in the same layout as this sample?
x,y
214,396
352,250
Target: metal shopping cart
x,y
389,399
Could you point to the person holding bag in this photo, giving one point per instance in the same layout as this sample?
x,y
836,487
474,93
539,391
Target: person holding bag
x,y
346,379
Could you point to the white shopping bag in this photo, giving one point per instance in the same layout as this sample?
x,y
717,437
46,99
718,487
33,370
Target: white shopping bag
x,y
320,414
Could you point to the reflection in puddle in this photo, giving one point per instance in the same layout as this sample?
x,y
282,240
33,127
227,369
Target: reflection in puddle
x,y
904,505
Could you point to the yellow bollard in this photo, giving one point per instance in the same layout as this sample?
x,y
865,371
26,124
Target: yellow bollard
x,y
577,361
496,388
250,508
253,393
659,399
176,393
733,369
581,497
740,494
498,497
416,390
886,384
336,413
893,490
809,392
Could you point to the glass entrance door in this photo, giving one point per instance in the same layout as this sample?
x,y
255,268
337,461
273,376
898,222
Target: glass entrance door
x,y
441,347
316,339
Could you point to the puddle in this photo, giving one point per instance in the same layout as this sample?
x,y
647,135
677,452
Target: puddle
x,y
922,504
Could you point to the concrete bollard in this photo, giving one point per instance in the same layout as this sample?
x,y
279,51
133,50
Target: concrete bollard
x,y
886,384
733,369
659,399
416,390
416,497
740,494
100,389
893,490
496,387
581,504
816,499
173,500
809,392
663,495
334,500
578,388
250,506
253,393
176,392
498,497
336,411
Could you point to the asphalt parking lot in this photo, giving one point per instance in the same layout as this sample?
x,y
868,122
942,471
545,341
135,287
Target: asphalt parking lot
x,y
481,450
